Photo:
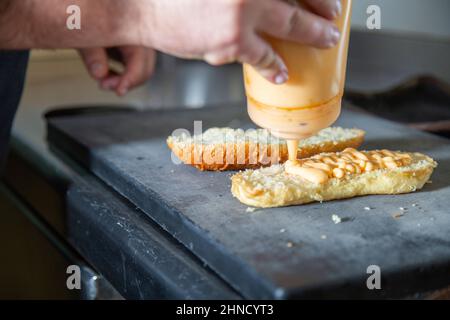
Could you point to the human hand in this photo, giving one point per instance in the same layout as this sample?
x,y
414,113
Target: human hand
x,y
138,66
223,31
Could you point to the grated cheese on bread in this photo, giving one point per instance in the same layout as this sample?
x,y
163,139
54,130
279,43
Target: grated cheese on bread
x,y
220,149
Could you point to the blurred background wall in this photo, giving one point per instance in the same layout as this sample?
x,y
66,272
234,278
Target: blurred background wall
x,y
429,17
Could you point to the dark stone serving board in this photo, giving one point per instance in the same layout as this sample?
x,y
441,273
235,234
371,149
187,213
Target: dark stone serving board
x,y
249,250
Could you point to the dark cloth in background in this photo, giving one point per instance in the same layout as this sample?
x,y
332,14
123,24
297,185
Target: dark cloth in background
x,y
13,66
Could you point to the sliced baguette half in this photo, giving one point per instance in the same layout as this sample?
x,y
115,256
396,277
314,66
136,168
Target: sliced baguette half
x,y
220,149
273,187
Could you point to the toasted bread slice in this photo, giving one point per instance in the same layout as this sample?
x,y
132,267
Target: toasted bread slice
x,y
273,187
220,149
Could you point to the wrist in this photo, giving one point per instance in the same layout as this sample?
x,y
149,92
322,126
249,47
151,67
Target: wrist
x,y
133,25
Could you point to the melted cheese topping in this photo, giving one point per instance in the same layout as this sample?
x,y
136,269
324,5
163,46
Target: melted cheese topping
x,y
320,168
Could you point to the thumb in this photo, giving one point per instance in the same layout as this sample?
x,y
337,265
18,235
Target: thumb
x,y
96,61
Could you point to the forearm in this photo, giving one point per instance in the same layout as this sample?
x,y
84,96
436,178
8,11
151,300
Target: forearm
x,y
42,23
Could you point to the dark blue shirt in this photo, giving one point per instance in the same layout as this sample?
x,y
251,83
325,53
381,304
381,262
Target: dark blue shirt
x,y
13,66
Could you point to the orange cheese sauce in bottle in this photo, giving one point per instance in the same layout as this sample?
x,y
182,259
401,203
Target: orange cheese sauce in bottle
x,y
311,99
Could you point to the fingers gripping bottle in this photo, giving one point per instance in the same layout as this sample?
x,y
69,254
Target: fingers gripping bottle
x,y
311,99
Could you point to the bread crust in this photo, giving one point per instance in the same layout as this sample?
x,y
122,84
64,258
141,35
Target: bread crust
x,y
273,187
251,155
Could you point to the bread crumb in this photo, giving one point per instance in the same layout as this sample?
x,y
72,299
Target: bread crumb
x,y
289,244
250,209
429,182
336,219
398,215
323,237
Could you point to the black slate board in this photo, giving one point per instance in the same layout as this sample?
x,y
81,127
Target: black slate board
x,y
138,258
248,250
